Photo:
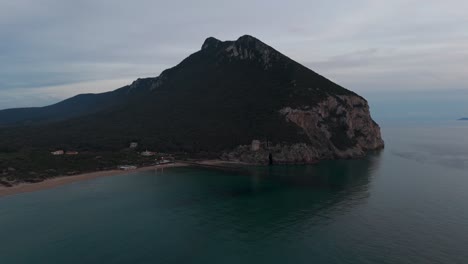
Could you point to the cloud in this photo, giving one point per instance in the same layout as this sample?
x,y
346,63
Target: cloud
x,y
438,66
361,44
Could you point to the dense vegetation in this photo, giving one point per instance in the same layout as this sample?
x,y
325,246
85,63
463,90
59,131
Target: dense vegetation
x,y
32,165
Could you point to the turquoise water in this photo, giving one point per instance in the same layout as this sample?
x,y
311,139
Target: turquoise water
x,y
406,204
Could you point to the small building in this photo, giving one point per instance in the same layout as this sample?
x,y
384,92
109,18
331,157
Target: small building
x,y
255,145
133,145
57,152
127,167
71,153
147,153
163,160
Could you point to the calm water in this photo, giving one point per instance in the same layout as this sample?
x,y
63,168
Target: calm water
x,y
406,204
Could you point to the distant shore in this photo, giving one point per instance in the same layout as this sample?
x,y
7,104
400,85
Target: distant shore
x,y
62,180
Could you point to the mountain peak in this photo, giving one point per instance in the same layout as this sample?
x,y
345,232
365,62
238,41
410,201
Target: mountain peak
x,y
251,48
246,41
250,42
247,38
211,42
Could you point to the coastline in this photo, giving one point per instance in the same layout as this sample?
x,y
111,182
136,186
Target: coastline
x,y
63,180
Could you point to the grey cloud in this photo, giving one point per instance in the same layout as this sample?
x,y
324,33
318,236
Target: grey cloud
x,y
362,44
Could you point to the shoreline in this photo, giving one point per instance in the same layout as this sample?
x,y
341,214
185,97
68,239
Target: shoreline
x,y
63,180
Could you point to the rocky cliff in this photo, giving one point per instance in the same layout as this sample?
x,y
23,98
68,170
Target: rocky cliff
x,y
338,127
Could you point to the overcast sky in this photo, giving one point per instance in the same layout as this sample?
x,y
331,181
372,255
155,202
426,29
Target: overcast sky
x,y
53,49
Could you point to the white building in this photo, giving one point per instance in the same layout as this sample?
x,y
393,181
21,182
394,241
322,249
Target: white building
x,y
255,145
57,152
127,167
147,153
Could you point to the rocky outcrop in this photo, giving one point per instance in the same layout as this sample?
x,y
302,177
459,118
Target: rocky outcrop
x,y
338,127
249,48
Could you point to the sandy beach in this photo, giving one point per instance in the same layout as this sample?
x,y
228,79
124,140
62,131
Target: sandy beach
x,y
62,180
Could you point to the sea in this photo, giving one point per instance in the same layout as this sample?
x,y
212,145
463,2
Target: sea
x,y
405,204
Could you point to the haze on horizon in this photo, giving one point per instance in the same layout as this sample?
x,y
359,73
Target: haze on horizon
x,y
407,57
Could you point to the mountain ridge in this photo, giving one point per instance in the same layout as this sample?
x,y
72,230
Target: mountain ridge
x,y
218,100
89,103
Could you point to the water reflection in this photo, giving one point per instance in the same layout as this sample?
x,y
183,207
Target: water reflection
x,y
266,200
328,175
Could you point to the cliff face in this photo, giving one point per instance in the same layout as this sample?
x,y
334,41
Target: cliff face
x,y
338,127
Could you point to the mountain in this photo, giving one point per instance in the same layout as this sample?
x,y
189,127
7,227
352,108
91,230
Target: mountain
x,y
83,104
240,100
463,119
